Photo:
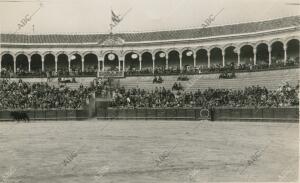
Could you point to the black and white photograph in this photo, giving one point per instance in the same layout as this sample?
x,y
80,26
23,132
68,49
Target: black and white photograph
x,y
149,91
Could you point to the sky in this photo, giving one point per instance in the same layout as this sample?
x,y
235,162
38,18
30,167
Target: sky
x,y
94,16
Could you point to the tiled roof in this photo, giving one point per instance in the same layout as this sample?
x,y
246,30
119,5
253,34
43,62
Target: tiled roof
x,y
159,35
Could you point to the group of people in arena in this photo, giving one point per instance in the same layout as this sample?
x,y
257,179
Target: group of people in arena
x,y
22,95
255,96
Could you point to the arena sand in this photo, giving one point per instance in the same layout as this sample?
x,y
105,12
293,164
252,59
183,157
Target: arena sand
x,y
147,151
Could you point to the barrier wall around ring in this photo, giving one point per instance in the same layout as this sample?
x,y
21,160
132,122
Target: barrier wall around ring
x,y
154,113
282,114
48,115
288,114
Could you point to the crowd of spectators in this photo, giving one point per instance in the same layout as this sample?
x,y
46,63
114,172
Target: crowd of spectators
x,y
254,96
91,71
217,68
158,80
22,95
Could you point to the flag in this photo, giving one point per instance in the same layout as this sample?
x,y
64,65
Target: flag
x,y
116,19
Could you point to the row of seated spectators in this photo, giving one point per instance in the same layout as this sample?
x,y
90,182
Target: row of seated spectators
x,y
251,96
60,73
215,68
22,95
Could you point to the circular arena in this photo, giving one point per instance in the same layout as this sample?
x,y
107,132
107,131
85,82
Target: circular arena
x,y
208,104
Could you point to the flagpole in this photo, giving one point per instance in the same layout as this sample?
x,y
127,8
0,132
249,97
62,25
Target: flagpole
x,y
126,13
111,27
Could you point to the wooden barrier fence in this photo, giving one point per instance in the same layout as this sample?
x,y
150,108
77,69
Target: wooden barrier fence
x,y
48,115
154,113
287,114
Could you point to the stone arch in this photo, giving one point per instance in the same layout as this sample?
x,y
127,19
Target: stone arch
x,y
146,51
202,57
292,50
76,62
187,49
216,56
36,62
291,38
7,52
35,53
132,63
277,51
214,46
111,65
230,45
246,53
146,59
261,42
276,40
130,51
245,44
62,63
90,62
160,62
173,49
231,56
49,61
187,60
22,62
7,62
49,52
262,53
174,59
61,53
89,52
22,53
75,52
159,50
201,48
105,53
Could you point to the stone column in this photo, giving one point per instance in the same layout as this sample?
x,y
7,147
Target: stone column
x,y
167,61
270,55
195,59
122,59
180,61
208,59
153,64
29,63
119,67
239,57
82,64
223,58
15,64
0,64
255,56
140,62
285,54
43,63
99,67
69,65
55,60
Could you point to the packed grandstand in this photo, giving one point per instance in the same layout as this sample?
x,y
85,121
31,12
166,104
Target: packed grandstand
x,y
21,95
222,53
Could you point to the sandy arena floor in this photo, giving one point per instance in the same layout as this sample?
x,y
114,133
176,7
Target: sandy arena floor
x,y
147,151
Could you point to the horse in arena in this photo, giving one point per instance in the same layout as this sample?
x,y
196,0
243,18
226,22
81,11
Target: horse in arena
x,y
20,116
